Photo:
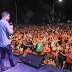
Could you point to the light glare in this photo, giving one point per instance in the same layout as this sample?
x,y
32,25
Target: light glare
x,y
60,0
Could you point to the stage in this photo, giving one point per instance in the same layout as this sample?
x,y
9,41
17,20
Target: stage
x,y
27,68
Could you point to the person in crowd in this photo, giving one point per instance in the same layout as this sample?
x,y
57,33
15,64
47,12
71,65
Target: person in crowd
x,y
21,50
70,42
39,47
27,51
61,56
69,61
60,40
30,44
34,46
24,44
51,61
16,49
46,51
57,52
54,49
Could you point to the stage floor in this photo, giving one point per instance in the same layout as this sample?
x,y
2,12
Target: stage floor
x,y
26,68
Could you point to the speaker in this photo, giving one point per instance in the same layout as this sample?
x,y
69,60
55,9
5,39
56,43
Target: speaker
x,y
32,59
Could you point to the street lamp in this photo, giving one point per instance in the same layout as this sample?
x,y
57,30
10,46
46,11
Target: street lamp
x,y
60,1
16,11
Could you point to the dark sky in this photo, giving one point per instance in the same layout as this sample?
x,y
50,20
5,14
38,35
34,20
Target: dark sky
x,y
65,8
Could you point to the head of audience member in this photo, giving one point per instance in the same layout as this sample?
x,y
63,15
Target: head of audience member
x,y
70,49
29,40
40,41
58,45
28,48
54,45
51,58
46,44
62,48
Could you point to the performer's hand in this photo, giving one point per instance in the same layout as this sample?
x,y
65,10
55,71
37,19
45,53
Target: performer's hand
x,y
12,27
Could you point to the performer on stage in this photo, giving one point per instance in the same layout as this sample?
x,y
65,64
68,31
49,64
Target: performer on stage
x,y
5,45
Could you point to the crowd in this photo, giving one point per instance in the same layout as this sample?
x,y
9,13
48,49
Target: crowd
x,y
53,41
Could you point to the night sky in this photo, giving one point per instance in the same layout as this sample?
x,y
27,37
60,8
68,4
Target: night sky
x,y
34,9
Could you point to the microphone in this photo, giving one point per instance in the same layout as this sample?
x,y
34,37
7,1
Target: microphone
x,y
10,23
